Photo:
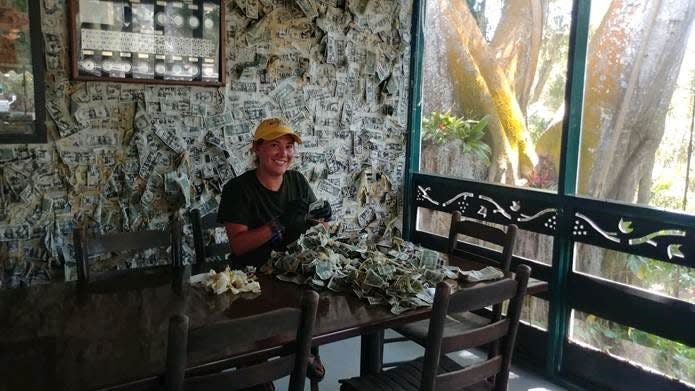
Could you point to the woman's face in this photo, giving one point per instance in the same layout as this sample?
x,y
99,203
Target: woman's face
x,y
275,156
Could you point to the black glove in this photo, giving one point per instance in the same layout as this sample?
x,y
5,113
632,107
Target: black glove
x,y
323,212
294,219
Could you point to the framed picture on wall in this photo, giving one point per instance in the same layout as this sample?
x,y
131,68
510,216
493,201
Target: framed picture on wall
x,y
148,41
22,112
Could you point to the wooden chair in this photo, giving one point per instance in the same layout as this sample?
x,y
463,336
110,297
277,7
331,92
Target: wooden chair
x,y
89,246
290,328
486,233
489,234
417,331
436,370
204,249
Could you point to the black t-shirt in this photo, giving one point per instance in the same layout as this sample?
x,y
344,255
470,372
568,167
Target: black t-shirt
x,y
246,201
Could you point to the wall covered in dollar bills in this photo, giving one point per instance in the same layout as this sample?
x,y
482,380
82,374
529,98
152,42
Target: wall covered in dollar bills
x,y
127,156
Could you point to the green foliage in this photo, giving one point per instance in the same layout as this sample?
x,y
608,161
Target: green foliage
x,y
556,91
671,357
637,265
439,128
662,195
677,358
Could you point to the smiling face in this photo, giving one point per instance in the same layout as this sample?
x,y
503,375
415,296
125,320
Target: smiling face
x,y
274,156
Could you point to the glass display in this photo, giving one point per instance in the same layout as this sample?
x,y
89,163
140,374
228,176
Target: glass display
x,y
153,41
18,119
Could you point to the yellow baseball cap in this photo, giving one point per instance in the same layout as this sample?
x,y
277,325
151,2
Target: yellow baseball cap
x,y
272,128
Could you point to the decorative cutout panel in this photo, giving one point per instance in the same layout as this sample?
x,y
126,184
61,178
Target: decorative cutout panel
x,y
631,229
634,235
494,207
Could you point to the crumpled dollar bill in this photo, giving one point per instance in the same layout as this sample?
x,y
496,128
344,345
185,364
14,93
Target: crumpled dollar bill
x,y
235,281
397,274
485,274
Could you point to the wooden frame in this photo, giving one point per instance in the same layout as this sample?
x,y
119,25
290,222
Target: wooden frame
x,y
153,64
38,133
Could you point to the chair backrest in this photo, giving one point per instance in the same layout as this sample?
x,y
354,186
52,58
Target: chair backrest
x,y
289,328
486,233
203,249
88,246
502,331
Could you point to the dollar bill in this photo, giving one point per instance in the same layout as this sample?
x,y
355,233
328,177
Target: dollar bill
x,y
308,7
343,261
485,274
324,270
291,277
219,121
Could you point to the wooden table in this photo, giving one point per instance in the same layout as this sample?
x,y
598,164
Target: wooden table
x,y
64,337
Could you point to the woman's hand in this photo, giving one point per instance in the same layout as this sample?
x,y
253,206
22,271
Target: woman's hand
x,y
293,219
322,213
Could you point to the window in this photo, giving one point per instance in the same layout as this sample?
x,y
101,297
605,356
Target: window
x,y
21,74
610,216
636,148
494,77
638,106
662,278
493,98
668,357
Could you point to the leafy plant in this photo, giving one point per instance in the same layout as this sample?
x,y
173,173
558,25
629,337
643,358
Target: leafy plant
x,y
439,128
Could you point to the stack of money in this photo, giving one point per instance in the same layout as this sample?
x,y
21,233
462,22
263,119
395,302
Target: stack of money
x,y
397,275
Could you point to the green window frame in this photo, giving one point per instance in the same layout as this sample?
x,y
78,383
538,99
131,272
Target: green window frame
x,y
664,317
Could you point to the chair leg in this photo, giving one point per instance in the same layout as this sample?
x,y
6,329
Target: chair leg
x,y
371,348
315,370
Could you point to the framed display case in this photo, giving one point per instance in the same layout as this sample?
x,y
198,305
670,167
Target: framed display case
x,y
22,106
148,41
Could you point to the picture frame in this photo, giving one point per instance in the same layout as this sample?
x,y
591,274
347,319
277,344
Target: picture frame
x,y
148,41
22,90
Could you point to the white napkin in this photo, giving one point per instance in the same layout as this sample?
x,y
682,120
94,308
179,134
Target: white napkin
x,y
234,281
199,279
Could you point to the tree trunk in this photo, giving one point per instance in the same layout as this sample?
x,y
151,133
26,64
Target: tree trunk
x,y
631,75
447,159
539,84
469,39
517,43
438,88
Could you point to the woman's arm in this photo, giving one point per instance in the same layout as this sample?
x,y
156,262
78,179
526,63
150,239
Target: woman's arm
x,y
242,239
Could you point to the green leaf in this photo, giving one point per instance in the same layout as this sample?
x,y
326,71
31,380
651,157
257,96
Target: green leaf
x,y
439,128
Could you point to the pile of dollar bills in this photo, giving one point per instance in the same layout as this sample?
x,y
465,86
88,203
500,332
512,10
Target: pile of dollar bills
x,y
396,274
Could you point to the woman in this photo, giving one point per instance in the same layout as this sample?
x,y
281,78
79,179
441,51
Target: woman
x,y
267,207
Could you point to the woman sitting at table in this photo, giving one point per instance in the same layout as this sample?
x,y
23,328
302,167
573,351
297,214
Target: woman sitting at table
x,y
267,207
